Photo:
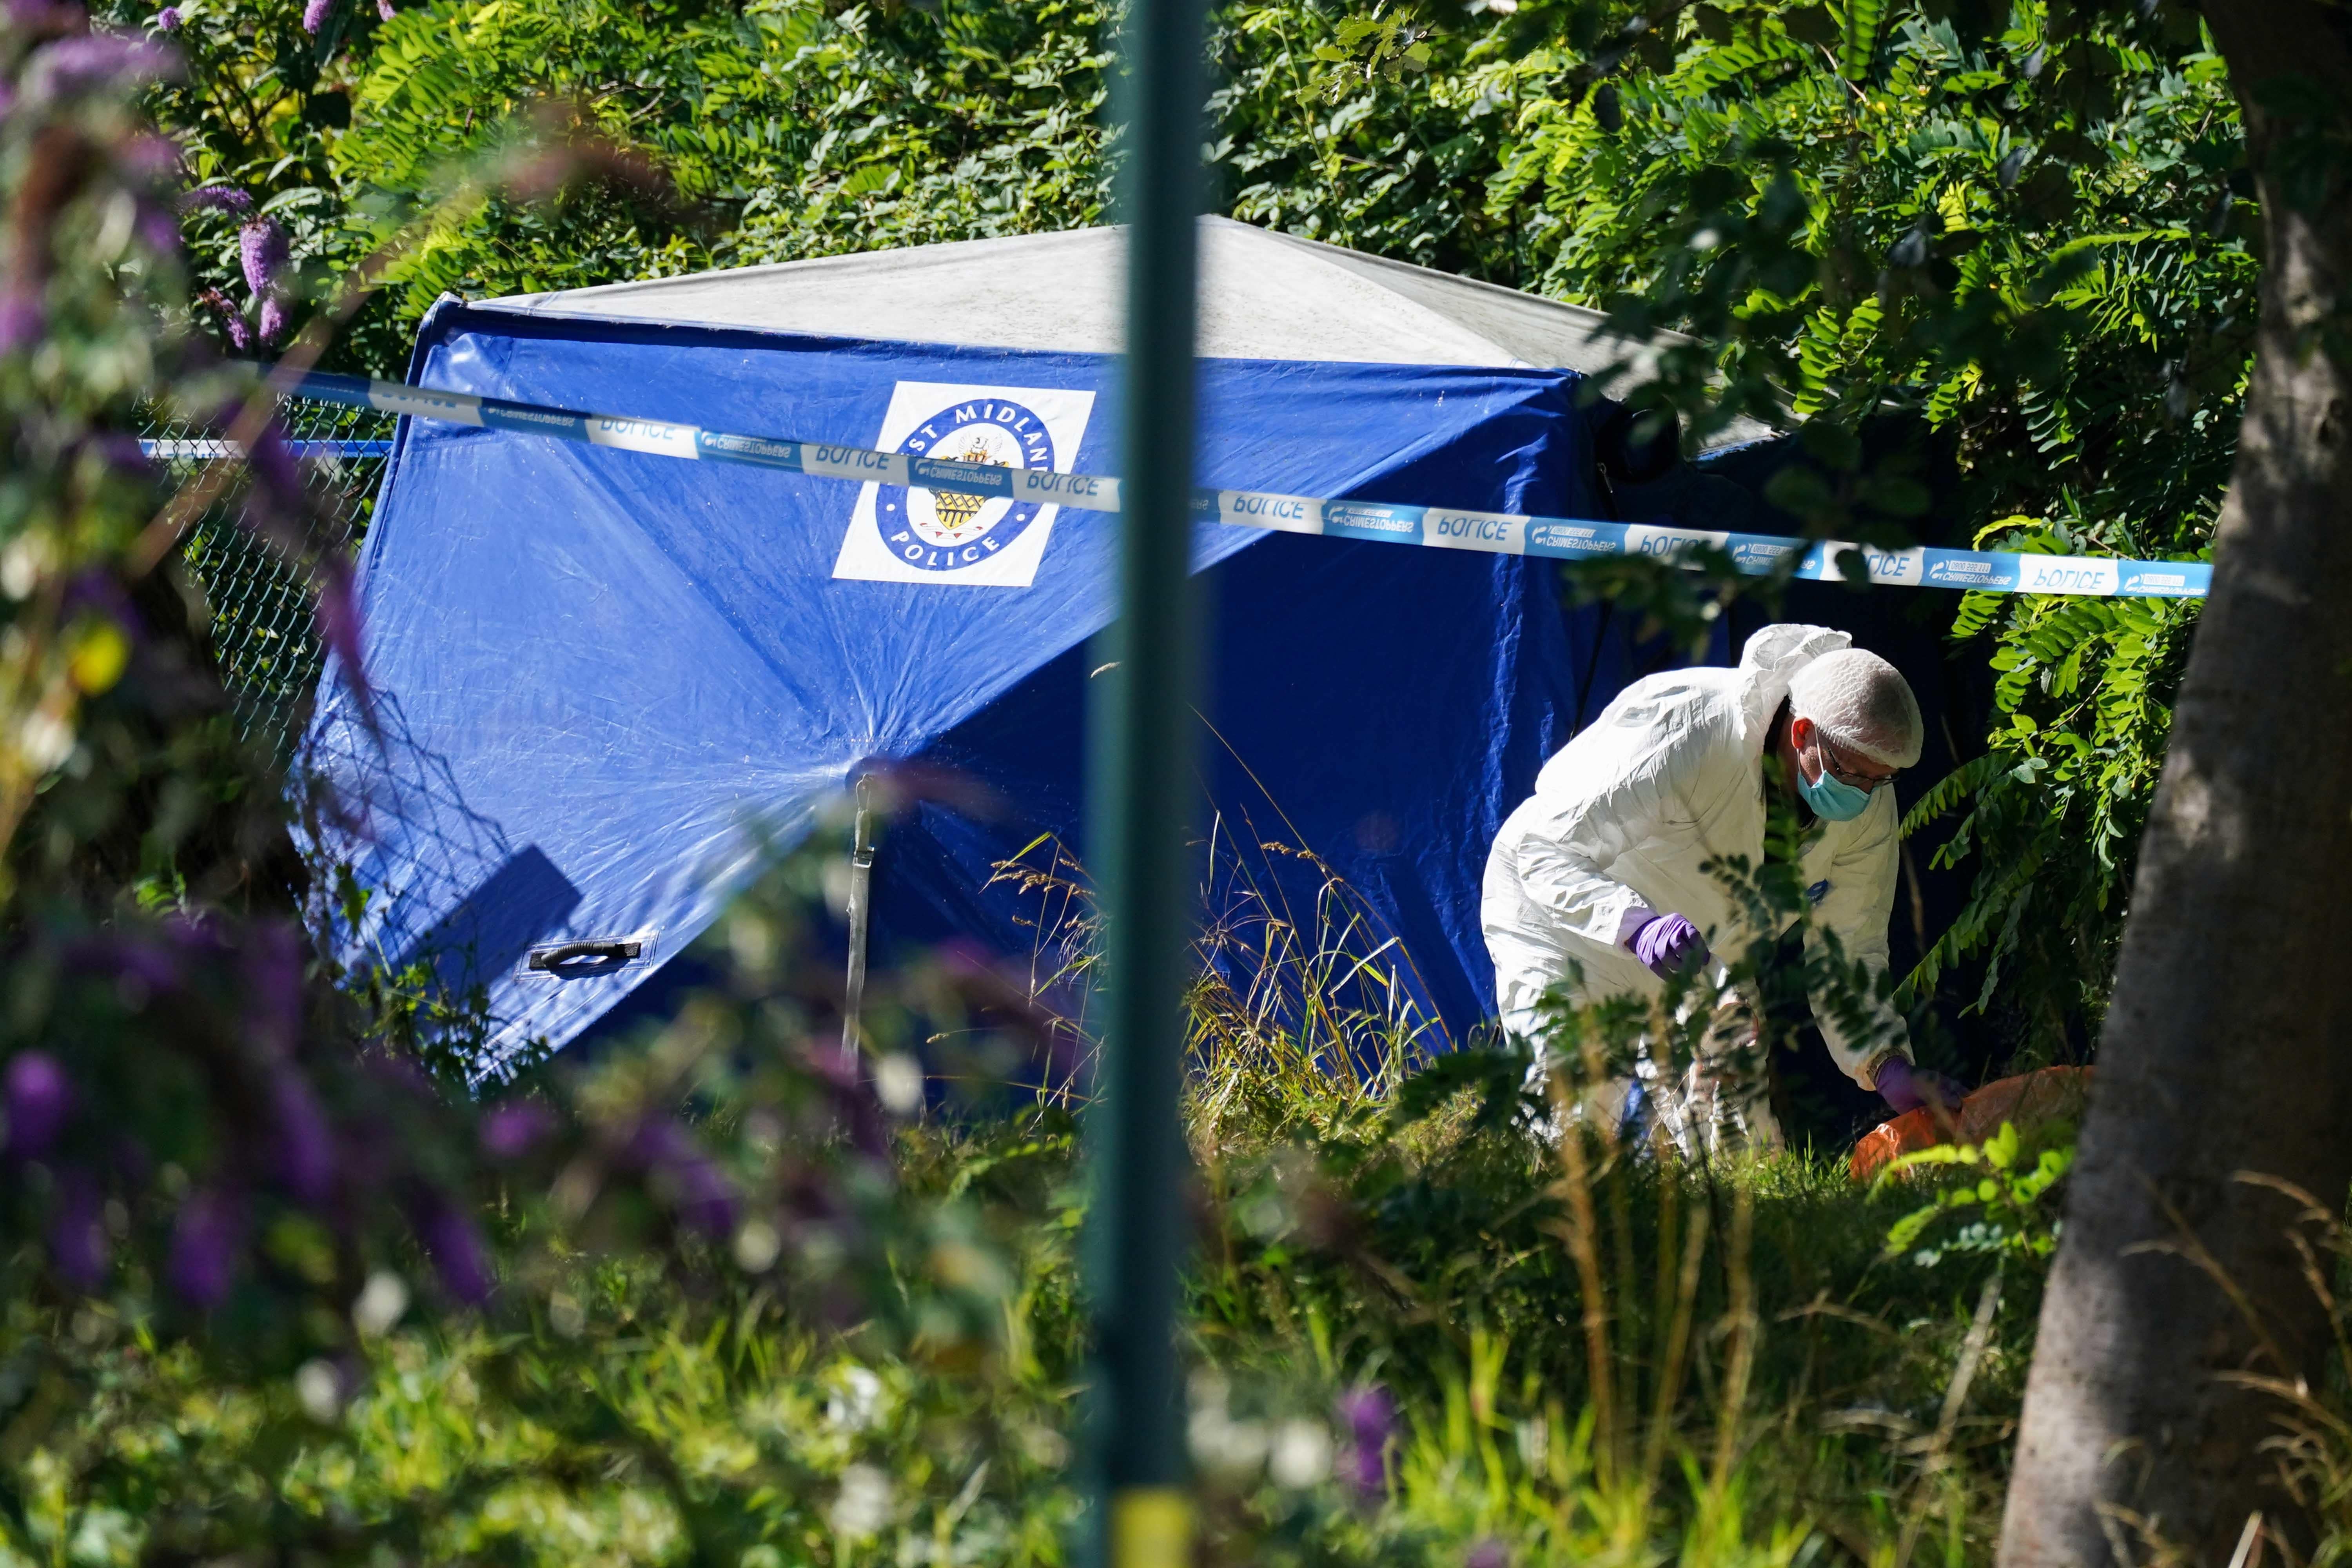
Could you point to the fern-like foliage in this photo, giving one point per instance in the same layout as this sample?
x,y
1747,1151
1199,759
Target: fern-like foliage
x,y
1858,35
2023,228
2051,814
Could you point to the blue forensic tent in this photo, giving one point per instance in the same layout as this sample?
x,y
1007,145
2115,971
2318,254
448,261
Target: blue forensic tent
x,y
594,669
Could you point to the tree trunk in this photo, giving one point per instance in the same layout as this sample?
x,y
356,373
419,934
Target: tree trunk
x,y
2228,1049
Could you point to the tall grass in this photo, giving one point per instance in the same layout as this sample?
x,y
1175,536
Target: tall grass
x,y
1298,1016
1423,1326
1594,1351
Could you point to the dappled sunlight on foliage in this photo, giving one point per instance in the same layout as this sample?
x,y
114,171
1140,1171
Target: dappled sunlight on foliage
x,y
753,1287
2026,235
786,1318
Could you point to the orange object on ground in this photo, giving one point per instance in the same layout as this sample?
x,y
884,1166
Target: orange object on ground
x,y
2042,1096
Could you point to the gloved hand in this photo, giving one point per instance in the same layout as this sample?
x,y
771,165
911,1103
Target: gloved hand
x,y
1667,945
1908,1088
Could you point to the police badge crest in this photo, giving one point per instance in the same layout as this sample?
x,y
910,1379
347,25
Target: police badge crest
x,y
910,534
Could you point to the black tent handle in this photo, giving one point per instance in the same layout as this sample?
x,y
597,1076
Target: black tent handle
x,y
549,957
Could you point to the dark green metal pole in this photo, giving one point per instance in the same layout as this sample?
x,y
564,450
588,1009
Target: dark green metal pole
x,y
1141,810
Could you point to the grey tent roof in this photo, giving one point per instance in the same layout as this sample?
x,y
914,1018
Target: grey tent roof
x,y
1263,296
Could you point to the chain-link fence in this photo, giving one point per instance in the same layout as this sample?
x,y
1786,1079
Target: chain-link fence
x,y
263,632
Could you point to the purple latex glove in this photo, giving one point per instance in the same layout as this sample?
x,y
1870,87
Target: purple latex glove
x,y
1667,943
1908,1088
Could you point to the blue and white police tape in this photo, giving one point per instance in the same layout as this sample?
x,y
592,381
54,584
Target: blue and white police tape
x,y
206,451
1443,528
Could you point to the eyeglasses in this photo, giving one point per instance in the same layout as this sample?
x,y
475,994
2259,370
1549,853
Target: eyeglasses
x,y
1863,782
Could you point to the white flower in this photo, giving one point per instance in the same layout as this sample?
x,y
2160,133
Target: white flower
x,y
863,1507
381,1302
856,1402
22,563
899,1082
1302,1454
44,739
756,1246
1222,1445
320,1391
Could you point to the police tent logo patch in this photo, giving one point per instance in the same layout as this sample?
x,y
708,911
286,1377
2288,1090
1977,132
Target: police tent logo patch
x,y
902,534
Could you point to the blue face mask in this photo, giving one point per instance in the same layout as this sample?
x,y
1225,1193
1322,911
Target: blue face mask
x,y
1831,797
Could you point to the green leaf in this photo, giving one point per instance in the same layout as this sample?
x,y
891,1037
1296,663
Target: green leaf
x,y
1858,37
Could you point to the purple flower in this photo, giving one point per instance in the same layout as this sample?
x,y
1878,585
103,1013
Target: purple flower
x,y
384,10
1372,1419
450,1239
687,1177
46,17
22,320
274,318
217,199
510,1130
78,1241
1370,1415
261,249
197,934
75,65
39,1098
95,591
314,15
705,1198
305,1141
157,229
148,157
834,1062
277,504
1488,1554
206,1240
140,967
274,465
121,451
339,616
231,321
168,19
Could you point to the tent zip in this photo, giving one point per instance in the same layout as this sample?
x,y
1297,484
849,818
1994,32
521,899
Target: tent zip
x,y
860,914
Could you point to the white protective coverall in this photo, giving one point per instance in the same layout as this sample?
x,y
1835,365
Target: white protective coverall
x,y
1668,777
